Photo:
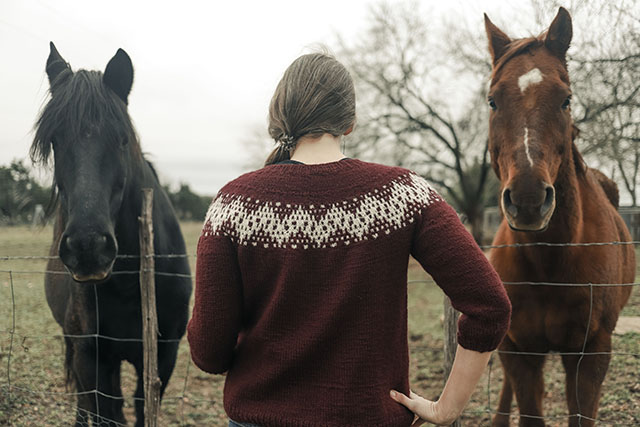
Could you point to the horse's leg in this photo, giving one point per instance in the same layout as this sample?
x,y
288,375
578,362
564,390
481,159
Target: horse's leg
x,y
167,355
73,382
590,375
139,394
501,419
109,398
166,361
92,405
116,408
524,373
82,366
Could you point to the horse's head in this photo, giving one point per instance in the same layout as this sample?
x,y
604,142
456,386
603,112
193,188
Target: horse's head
x,y
86,126
530,125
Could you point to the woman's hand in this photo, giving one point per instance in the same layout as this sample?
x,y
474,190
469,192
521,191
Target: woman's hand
x,y
466,371
425,410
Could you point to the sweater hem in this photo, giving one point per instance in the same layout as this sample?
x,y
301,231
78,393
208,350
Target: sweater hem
x,y
269,420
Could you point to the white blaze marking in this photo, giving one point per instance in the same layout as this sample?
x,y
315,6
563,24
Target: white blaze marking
x,y
531,77
526,146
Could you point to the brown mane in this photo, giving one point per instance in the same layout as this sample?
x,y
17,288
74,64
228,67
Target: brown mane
x,y
516,48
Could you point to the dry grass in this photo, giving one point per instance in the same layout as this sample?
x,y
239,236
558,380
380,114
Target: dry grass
x,y
38,394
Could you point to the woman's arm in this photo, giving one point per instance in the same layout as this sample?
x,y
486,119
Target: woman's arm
x,y
467,369
215,321
447,251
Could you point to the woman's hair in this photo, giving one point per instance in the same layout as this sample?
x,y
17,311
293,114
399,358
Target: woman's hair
x,y
315,96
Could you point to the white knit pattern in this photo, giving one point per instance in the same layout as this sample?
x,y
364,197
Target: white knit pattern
x,y
254,222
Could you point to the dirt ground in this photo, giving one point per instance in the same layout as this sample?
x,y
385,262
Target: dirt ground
x,y
627,325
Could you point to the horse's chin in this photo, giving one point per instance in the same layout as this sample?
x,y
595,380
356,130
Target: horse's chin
x,y
97,277
529,228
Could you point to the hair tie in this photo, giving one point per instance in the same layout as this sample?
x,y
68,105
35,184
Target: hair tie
x,y
287,142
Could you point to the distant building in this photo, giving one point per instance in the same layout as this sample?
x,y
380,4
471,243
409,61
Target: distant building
x,y
38,216
631,216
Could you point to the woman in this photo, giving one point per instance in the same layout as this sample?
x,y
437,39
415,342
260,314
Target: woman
x,y
301,276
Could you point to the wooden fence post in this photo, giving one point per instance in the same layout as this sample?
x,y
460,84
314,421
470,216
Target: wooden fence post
x,y
450,341
152,382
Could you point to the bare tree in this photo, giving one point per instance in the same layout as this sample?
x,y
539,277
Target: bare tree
x,y
604,65
258,145
410,116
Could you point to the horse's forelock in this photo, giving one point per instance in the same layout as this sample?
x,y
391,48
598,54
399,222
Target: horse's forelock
x,y
80,102
516,48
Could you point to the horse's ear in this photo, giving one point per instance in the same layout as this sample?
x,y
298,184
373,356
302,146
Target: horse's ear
x,y
55,64
559,34
118,75
498,40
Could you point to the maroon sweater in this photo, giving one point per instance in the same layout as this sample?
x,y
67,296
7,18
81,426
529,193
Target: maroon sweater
x,y
301,291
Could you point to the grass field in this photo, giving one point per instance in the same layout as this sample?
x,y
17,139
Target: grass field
x,y
33,359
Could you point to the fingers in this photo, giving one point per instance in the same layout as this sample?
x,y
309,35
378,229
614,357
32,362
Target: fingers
x,y
424,409
403,400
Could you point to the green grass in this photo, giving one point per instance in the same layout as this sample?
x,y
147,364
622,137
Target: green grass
x,y
38,393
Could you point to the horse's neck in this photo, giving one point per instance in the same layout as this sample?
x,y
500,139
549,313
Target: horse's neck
x,y
567,223
127,223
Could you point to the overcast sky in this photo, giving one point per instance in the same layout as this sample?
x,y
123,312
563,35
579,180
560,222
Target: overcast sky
x,y
204,70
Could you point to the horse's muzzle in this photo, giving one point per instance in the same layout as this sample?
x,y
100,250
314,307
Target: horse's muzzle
x,y
90,256
529,211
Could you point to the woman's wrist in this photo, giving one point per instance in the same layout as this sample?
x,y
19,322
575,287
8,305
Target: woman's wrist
x,y
445,413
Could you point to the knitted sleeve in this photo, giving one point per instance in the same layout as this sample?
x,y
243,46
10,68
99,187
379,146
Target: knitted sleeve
x,y
449,254
216,319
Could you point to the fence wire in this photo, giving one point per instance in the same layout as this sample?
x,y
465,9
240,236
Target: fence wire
x,y
87,417
182,400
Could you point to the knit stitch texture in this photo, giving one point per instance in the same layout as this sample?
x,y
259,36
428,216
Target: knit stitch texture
x,y
301,291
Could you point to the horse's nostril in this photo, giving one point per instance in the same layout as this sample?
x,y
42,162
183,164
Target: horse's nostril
x,y
508,204
548,199
100,242
550,194
68,242
506,196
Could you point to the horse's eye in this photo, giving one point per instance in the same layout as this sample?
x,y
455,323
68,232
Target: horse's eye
x,y
492,104
566,103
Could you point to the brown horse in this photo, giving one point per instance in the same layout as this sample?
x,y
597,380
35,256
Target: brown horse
x,y
549,195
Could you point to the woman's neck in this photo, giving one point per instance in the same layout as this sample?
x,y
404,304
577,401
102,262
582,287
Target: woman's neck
x,y
324,149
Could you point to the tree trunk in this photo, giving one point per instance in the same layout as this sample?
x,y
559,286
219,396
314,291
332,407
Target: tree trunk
x,y
476,221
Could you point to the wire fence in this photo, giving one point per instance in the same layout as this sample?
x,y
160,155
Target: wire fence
x,y
183,406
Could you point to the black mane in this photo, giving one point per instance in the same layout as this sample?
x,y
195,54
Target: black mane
x,y
79,103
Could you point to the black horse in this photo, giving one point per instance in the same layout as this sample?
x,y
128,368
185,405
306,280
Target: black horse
x,y
99,171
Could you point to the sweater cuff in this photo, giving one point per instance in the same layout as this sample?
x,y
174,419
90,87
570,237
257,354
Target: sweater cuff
x,y
486,335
